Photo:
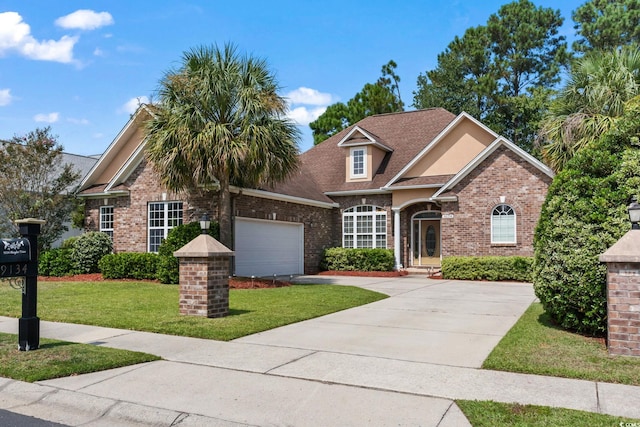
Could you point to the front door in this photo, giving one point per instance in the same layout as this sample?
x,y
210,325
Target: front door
x,y
425,242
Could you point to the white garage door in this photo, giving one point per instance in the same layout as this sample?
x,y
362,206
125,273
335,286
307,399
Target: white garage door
x,y
265,248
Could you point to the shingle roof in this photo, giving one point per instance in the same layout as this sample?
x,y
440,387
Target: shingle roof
x,y
406,133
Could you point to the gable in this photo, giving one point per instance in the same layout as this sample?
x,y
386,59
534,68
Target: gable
x,y
453,151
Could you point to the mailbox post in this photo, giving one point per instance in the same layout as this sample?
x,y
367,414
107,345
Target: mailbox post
x,y
19,258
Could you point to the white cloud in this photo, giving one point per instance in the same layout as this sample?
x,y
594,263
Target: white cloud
x,y
98,52
78,121
132,105
303,115
16,35
85,19
5,97
47,118
307,96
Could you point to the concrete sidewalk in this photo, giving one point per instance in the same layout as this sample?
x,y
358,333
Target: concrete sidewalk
x,y
400,361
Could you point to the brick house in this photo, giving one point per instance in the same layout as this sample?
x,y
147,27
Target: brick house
x,y
425,183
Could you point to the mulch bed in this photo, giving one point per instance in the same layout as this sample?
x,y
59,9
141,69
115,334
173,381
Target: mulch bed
x,y
234,283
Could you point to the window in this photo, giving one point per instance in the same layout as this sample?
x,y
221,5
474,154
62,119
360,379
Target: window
x,y
106,220
364,227
163,216
358,163
503,224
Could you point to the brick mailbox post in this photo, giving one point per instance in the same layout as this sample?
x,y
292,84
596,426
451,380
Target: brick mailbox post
x,y
205,266
623,295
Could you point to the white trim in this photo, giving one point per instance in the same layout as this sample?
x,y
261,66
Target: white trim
x,y
436,140
117,193
396,238
283,197
127,129
515,225
356,192
352,160
413,187
372,141
482,156
129,166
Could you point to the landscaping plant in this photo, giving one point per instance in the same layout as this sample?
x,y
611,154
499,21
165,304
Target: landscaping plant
x,y
168,265
88,249
583,215
349,259
487,268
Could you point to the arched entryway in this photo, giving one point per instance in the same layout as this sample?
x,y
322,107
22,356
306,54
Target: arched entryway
x,y
425,239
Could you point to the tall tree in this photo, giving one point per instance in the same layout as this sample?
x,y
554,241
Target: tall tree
x,y
606,24
374,98
219,120
591,102
501,72
36,184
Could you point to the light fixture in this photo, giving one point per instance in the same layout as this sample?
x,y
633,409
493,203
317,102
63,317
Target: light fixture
x,y
634,213
205,223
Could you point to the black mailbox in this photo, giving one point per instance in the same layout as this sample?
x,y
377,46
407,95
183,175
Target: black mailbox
x,y
14,251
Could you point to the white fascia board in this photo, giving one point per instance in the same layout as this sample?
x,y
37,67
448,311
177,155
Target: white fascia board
x,y
130,165
282,197
343,141
486,153
105,157
117,193
356,192
436,140
413,187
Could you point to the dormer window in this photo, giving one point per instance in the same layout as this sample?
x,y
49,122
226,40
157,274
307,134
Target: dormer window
x,y
358,163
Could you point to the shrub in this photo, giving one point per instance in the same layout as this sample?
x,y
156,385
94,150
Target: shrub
x,y
56,262
583,215
129,265
487,268
347,259
168,265
88,249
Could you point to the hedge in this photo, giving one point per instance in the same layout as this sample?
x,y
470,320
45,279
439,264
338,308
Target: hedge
x,y
129,265
347,259
56,262
514,268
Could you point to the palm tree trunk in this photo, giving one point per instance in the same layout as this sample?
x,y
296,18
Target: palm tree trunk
x,y
224,213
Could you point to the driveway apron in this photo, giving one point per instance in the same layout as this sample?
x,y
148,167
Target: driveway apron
x,y
443,322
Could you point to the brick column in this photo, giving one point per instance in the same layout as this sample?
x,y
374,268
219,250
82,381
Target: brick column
x,y
205,268
623,295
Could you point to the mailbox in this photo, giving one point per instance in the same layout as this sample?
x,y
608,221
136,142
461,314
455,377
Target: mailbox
x,y
15,250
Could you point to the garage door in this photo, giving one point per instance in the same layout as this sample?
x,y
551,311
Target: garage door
x,y
265,248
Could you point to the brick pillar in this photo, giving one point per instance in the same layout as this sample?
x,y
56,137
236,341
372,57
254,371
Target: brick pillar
x,y
623,295
205,267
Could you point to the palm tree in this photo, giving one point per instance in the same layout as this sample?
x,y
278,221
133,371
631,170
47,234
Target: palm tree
x,y
219,121
594,98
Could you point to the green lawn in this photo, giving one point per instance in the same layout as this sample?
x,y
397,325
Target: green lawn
x,y
493,414
152,307
536,346
55,359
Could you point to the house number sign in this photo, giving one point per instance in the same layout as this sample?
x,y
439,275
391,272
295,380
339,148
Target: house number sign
x,y
14,257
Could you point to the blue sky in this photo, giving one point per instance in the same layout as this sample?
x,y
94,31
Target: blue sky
x,y
81,66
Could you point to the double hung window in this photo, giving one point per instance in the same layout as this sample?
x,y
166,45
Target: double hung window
x,y
163,216
364,227
503,224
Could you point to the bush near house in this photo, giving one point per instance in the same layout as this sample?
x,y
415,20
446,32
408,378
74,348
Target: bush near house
x,y
168,265
129,265
514,268
347,259
583,215
88,249
56,262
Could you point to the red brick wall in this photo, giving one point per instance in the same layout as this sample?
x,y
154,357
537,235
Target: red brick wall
x,y
623,308
130,215
503,173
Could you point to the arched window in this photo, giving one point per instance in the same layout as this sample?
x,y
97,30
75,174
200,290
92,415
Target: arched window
x,y
503,224
364,227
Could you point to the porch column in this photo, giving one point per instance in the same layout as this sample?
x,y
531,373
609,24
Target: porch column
x,y
396,237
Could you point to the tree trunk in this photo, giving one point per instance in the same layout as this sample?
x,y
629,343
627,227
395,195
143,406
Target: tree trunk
x,y
224,213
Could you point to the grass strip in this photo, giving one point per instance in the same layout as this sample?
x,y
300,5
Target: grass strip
x,y
536,346
55,359
153,307
494,414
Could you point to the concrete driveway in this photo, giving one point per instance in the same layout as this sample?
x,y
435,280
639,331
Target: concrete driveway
x,y
442,322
